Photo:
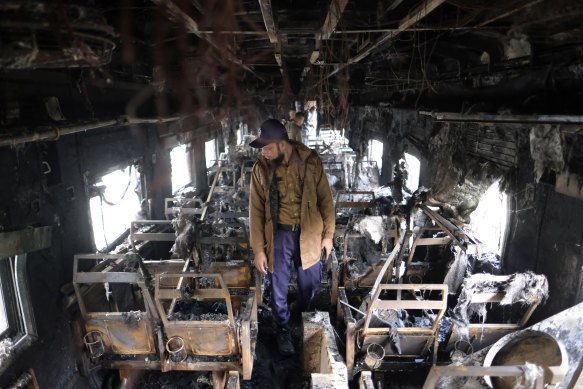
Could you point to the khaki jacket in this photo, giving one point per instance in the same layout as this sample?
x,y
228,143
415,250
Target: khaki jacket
x,y
294,132
317,216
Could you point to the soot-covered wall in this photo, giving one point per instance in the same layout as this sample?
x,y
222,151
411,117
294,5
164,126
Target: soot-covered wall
x,y
544,231
29,197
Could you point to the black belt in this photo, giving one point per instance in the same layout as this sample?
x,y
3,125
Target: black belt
x,y
288,227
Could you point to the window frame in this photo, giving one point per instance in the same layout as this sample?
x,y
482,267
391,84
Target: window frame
x,y
9,297
91,183
14,248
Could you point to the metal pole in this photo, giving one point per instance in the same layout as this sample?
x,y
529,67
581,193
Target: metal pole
x,y
54,133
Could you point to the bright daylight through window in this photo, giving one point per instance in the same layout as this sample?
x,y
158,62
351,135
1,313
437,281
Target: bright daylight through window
x,y
210,151
3,315
116,205
375,153
413,171
490,217
179,161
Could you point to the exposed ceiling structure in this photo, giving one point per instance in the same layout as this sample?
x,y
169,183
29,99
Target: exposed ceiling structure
x,y
519,56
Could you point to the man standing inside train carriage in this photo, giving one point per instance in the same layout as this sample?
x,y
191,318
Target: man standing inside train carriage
x,y
294,127
291,219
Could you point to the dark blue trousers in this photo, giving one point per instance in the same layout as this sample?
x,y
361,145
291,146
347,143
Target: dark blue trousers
x,y
286,252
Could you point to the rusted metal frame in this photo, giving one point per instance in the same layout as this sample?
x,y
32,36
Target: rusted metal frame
x,y
171,210
388,278
440,305
110,259
180,366
365,380
179,286
162,355
528,314
150,236
243,273
419,241
419,13
356,204
219,379
208,199
192,26
25,241
480,298
399,260
401,331
106,276
334,285
434,241
222,241
248,338
448,227
233,380
406,304
229,170
272,33
343,312
223,294
388,262
351,329
333,16
477,371
509,13
200,295
490,119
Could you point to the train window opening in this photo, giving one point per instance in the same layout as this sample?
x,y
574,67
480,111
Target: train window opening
x,y
179,162
413,172
375,153
489,219
114,204
210,152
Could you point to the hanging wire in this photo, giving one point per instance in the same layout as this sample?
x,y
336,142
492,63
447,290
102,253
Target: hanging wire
x,y
112,204
103,220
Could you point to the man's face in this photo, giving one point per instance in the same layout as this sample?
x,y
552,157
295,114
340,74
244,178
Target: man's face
x,y
271,151
299,120
292,114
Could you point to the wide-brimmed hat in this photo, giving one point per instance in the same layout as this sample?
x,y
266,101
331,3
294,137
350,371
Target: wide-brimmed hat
x,y
270,131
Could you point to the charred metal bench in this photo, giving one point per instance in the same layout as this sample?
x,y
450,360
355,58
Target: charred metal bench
x,y
207,345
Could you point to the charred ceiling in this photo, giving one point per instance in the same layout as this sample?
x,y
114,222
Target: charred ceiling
x,y
186,58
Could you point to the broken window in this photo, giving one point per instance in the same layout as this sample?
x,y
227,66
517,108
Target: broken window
x,y
413,172
179,162
210,151
375,153
4,283
488,221
114,204
17,326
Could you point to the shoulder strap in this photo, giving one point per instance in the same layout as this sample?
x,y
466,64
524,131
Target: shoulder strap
x,y
303,178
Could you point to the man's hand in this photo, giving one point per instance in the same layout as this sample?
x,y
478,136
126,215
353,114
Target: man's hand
x,y
261,261
326,244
